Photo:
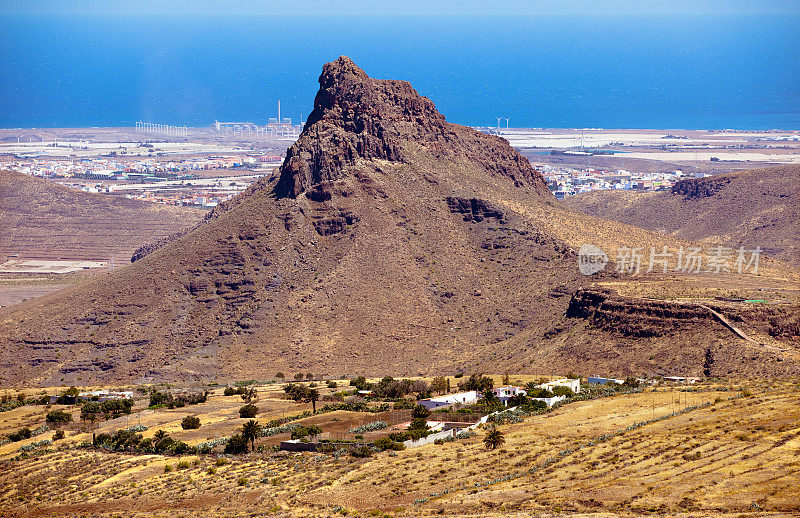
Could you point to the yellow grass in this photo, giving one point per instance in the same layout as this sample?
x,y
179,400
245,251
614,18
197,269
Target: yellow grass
x,y
736,455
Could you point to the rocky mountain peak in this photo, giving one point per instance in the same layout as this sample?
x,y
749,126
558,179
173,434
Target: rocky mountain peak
x,y
358,117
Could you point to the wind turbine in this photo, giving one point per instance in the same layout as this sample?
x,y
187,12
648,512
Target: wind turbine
x,y
498,122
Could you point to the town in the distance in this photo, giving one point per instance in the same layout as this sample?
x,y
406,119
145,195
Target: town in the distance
x,y
204,166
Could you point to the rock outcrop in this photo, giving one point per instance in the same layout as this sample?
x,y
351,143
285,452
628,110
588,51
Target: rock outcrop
x,y
357,117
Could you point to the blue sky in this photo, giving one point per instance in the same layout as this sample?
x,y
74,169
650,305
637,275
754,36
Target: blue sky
x,y
404,7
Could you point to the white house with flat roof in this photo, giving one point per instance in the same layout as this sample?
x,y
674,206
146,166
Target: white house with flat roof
x,y
463,398
572,384
506,392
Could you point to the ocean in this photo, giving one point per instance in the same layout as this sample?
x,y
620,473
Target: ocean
x,y
670,72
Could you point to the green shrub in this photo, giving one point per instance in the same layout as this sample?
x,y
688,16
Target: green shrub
x,y
90,411
534,406
58,416
236,444
304,431
477,382
360,383
404,404
361,452
163,444
211,470
248,411
159,398
167,468
68,397
183,464
242,481
299,432
386,443
221,461
58,435
101,439
420,411
418,423
22,433
566,391
180,447
115,407
190,422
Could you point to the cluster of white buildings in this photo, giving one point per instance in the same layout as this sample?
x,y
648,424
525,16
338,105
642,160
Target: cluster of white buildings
x,y
143,169
565,182
503,393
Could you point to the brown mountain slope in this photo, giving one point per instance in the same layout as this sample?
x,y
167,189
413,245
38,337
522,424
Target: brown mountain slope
x,y
752,208
42,219
390,242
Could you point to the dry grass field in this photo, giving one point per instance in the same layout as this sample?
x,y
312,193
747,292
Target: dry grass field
x,y
729,450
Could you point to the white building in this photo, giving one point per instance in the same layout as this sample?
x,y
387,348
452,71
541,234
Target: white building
x,y
107,395
464,398
572,384
506,392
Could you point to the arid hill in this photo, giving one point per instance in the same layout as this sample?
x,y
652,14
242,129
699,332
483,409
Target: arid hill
x,y
391,241
42,219
752,208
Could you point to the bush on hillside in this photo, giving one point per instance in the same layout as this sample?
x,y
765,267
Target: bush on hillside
x,y
58,416
190,422
236,444
248,411
22,433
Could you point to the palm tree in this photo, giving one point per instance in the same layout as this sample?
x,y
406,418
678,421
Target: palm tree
x,y
490,399
160,434
518,399
250,432
313,396
494,438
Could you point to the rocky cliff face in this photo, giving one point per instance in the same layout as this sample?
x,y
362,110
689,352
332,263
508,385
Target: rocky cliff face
x,y
356,117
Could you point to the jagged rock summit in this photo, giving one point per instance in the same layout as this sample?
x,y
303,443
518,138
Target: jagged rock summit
x,y
357,117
